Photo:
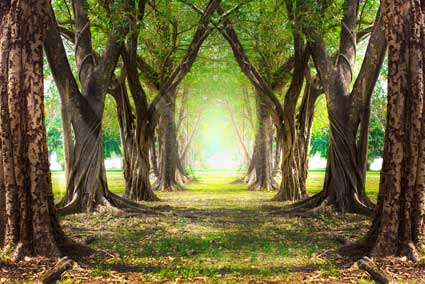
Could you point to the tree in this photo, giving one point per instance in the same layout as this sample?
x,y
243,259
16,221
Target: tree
x,y
344,187
83,105
397,228
148,114
265,83
31,226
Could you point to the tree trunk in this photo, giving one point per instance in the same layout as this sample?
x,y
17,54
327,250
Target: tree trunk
x,y
344,187
304,127
290,188
398,225
154,158
277,157
68,143
262,157
2,188
136,153
31,225
168,148
87,187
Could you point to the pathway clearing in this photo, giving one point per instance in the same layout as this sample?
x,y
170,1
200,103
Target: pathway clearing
x,y
215,232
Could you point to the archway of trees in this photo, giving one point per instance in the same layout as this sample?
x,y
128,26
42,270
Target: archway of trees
x,y
171,89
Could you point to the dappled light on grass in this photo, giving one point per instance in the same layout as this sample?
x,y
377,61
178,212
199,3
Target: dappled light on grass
x,y
215,232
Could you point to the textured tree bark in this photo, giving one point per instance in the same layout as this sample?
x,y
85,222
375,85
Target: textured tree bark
x,y
136,153
344,187
168,147
2,192
262,178
31,225
398,225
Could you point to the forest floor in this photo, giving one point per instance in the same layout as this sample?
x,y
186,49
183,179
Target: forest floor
x,y
215,232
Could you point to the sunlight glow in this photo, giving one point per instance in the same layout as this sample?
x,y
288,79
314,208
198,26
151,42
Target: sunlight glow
x,y
222,160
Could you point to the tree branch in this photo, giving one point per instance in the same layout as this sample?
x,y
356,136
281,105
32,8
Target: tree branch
x,y
250,71
201,33
279,78
83,46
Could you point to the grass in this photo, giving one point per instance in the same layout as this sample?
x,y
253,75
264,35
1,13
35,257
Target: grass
x,y
215,232
213,181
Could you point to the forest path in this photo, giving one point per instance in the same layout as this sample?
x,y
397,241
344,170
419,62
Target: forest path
x,y
215,232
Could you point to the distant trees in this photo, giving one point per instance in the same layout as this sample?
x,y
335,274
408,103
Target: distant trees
x,y
157,52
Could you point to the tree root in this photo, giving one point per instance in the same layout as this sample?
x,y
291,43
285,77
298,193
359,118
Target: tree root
x,y
261,186
173,187
375,273
317,204
145,196
241,180
55,273
112,203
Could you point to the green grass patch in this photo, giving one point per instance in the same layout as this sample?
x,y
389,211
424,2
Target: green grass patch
x,y
214,232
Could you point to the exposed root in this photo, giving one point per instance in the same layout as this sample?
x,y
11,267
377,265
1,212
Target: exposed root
x,y
168,187
146,195
55,273
182,178
128,205
374,271
305,204
241,180
411,252
317,204
112,203
286,195
264,186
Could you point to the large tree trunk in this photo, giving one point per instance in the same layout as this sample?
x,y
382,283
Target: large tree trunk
x,y
262,178
87,187
31,226
344,187
398,226
136,152
2,191
168,148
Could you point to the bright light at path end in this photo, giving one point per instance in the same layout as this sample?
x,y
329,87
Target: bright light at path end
x,y
222,160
